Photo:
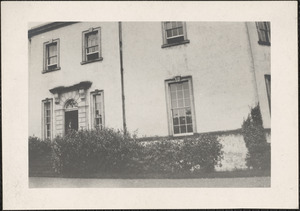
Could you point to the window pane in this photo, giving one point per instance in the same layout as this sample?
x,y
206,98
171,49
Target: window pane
x,y
186,93
180,94
180,31
185,85
179,86
179,24
175,121
188,111
183,129
174,104
52,50
175,112
173,95
176,129
168,25
169,33
91,39
174,31
187,103
189,128
180,103
173,87
189,119
182,120
181,112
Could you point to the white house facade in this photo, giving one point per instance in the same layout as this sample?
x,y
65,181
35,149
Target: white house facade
x,y
154,78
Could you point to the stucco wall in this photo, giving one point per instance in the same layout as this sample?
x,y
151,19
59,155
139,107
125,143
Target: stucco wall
x,y
234,153
218,58
103,74
262,65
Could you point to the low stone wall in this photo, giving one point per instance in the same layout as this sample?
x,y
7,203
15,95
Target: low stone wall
x,y
234,148
235,151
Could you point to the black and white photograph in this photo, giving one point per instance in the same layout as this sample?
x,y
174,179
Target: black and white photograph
x,y
136,110
150,100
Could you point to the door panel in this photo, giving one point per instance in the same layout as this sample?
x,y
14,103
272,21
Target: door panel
x,y
71,120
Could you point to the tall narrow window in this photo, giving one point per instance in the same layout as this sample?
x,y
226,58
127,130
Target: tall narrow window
x,y
91,46
264,35
51,55
268,87
47,118
174,33
181,107
98,109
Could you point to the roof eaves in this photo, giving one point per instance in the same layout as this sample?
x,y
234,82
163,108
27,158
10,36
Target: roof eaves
x,y
47,27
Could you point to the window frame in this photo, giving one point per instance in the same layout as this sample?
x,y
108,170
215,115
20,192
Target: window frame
x,y
169,105
266,31
45,55
92,103
268,89
164,35
84,54
44,127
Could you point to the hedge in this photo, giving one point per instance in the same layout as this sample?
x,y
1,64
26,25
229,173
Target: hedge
x,y
110,151
259,151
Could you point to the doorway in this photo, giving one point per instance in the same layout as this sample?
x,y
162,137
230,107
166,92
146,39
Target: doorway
x,y
71,120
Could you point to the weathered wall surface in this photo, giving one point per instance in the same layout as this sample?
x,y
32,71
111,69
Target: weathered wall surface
x,y
234,153
103,74
218,58
262,65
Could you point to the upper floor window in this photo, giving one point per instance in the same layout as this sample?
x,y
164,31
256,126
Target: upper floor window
x,y
91,45
264,35
51,55
174,33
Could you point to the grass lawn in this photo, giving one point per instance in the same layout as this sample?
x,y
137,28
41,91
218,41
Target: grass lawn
x,y
42,167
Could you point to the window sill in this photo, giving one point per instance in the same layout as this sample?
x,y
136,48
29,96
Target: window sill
x,y
47,71
183,134
264,43
95,60
174,44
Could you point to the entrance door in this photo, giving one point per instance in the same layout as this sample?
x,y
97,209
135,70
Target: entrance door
x,y
71,120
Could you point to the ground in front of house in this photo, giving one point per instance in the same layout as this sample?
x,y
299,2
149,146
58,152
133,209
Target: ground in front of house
x,y
242,182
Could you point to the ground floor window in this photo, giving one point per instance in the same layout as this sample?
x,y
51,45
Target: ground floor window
x,y
97,98
47,118
180,106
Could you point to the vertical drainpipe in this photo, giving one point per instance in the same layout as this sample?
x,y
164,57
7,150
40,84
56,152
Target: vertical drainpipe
x,y
122,77
252,61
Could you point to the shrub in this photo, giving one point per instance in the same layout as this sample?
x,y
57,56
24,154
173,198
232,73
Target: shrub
x,y
204,151
258,156
38,147
107,150
160,156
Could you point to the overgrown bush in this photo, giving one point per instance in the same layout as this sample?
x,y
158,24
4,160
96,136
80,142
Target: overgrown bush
x,y
205,152
160,156
106,150
259,153
38,147
194,153
110,151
